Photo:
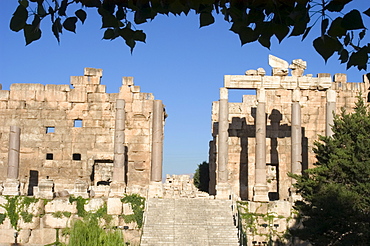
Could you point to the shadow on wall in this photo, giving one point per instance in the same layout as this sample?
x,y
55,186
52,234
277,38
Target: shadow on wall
x,y
275,131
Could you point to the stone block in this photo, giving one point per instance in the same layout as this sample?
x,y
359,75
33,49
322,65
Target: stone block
x,y
94,204
42,236
60,204
97,97
7,236
93,72
23,95
52,221
77,95
114,206
4,95
26,87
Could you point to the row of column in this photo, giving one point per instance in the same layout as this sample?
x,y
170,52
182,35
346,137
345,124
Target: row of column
x,y
260,188
119,169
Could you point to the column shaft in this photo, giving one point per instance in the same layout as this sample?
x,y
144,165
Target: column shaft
x,y
13,153
260,188
261,144
157,141
223,136
330,111
119,142
296,139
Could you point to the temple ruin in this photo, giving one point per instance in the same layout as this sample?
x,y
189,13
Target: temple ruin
x,y
258,141
80,139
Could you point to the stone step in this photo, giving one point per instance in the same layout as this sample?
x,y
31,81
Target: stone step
x,y
182,222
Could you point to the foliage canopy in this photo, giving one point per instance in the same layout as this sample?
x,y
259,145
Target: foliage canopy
x,y
201,176
252,21
336,193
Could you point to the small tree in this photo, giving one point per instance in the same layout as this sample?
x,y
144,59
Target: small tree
x,y
336,193
201,176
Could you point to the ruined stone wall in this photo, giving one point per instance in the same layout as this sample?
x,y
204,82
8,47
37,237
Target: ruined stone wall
x,y
279,94
67,132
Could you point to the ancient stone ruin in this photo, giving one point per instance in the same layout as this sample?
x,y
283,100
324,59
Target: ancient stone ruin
x,y
62,140
257,142
79,139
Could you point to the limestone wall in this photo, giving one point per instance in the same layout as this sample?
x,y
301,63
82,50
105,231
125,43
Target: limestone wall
x,y
279,94
58,214
67,132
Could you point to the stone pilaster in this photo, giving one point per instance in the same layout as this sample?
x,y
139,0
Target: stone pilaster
x,y
11,185
331,96
260,187
155,186
222,187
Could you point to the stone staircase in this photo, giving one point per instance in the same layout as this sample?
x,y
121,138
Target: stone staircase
x,y
186,221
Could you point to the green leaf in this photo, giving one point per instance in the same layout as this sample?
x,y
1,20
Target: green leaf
x,y
139,35
352,20
361,35
63,8
206,19
347,39
343,56
358,59
126,33
326,46
81,15
109,34
31,34
281,31
299,28
336,29
336,5
120,14
324,26
36,21
57,28
265,41
131,43
70,24
247,35
23,3
367,12
18,21
308,29
108,20
40,10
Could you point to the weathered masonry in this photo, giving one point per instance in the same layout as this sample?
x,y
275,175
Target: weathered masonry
x,y
257,142
80,138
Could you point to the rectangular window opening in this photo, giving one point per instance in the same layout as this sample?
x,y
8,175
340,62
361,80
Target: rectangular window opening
x,y
50,129
49,156
77,123
76,157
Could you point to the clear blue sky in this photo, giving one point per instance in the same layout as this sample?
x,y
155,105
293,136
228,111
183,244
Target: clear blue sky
x,y
180,64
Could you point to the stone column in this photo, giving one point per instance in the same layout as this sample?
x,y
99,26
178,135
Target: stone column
x,y
119,171
13,154
11,185
118,185
222,187
260,187
331,96
223,136
296,134
155,187
157,141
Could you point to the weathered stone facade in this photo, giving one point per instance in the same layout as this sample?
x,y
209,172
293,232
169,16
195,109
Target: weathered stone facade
x,y
73,137
257,142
